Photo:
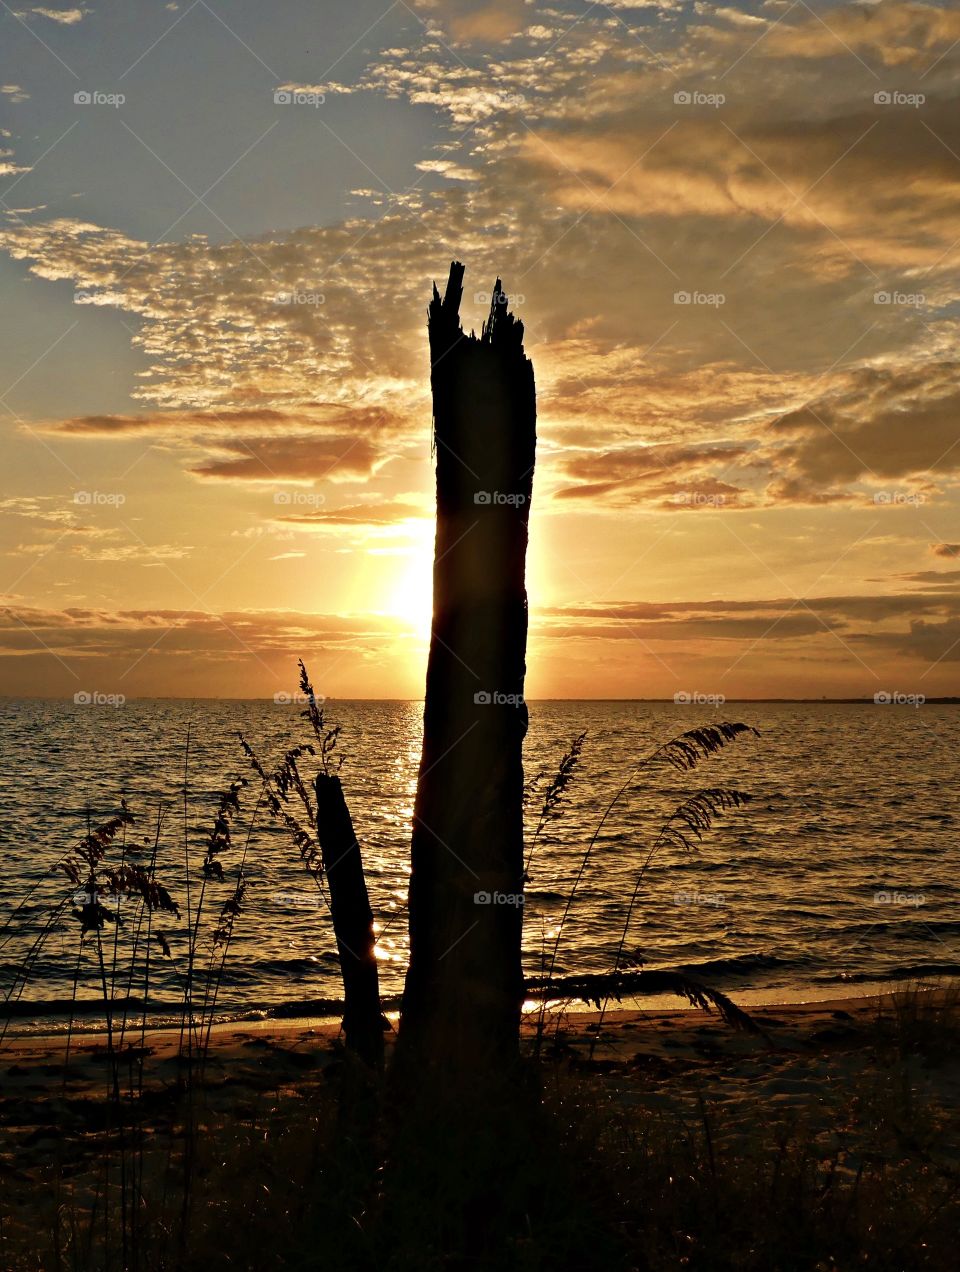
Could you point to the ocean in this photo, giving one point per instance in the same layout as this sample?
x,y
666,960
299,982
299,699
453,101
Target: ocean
x,y
841,873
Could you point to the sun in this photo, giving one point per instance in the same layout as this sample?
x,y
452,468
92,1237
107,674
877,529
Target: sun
x,y
410,598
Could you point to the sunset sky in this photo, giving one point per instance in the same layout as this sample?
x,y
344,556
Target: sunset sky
x,y
732,233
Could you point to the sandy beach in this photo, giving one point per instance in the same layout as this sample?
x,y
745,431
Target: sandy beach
x,y
857,1096
814,1056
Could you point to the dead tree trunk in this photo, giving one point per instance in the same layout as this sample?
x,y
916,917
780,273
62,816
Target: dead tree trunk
x,y
352,921
464,987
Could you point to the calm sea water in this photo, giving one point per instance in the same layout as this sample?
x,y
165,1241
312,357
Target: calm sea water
x,y
842,871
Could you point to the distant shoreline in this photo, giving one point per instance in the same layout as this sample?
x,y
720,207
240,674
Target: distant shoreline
x,y
825,702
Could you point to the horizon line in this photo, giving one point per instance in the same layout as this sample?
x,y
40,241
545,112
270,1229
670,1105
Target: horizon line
x,y
940,699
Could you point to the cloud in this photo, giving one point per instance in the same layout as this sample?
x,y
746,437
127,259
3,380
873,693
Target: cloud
x,y
311,418
476,21
447,168
895,34
301,459
320,441
370,516
671,476
945,549
599,212
272,330
917,627
930,643
64,17
878,423
871,607
233,653
851,186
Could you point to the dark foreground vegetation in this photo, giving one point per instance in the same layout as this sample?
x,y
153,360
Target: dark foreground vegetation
x,y
825,1146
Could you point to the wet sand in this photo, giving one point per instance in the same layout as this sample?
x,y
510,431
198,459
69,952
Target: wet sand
x,y
798,1046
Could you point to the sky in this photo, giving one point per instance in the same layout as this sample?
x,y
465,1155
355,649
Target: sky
x,y
732,232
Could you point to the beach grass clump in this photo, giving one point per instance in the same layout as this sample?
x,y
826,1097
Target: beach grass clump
x,y
921,1019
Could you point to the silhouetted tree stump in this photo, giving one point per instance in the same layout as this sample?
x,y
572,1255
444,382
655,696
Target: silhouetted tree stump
x,y
352,921
464,987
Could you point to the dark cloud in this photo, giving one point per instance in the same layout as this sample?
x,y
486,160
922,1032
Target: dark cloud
x,y
669,476
266,459
878,423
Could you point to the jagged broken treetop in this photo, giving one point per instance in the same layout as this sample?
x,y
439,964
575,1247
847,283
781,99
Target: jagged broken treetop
x,y
502,329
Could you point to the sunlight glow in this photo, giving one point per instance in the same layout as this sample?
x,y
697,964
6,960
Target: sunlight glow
x,y
411,596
